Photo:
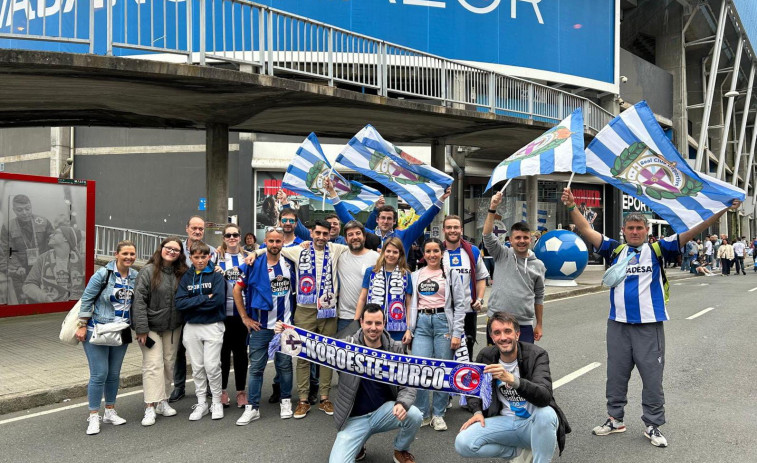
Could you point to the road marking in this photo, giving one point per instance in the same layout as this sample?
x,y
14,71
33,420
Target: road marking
x,y
567,297
698,314
571,376
753,289
70,407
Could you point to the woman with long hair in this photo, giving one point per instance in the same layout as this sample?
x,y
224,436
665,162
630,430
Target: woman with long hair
x,y
389,285
230,257
107,299
437,319
158,324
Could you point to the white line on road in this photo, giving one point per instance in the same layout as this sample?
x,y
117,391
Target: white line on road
x,y
753,289
69,407
700,313
567,297
571,376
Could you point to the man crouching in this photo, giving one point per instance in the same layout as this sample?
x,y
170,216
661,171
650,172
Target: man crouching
x,y
523,413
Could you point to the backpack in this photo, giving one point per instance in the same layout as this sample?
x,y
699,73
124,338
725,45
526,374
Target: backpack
x,y
658,253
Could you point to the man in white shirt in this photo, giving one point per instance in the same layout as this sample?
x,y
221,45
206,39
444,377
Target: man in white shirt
x,y
708,249
738,250
350,270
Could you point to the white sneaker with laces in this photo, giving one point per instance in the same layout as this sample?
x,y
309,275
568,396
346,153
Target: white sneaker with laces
x,y
94,424
112,417
286,409
198,411
611,426
216,411
250,414
655,436
164,409
149,418
437,422
425,422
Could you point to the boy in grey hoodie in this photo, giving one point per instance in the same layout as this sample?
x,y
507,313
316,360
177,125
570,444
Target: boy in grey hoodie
x,y
519,276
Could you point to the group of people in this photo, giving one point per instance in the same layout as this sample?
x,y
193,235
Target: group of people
x,y
230,303
717,253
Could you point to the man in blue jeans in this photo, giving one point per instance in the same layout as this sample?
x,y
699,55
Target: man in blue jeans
x,y
364,407
523,412
267,285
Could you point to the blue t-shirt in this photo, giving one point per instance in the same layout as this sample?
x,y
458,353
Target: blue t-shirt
x,y
640,298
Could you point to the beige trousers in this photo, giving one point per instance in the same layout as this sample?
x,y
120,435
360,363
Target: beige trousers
x,y
157,364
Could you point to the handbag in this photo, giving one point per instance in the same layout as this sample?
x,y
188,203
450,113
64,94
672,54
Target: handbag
x,y
108,334
69,326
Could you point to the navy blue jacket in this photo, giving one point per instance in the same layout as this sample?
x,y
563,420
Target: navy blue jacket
x,y
193,296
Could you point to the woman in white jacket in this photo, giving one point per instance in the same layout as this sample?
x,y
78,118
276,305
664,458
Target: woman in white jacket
x,y
437,314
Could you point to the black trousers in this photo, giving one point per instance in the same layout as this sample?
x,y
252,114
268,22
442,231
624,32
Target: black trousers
x,y
234,342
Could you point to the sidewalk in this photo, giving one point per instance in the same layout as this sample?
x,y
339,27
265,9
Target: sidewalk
x,y
37,369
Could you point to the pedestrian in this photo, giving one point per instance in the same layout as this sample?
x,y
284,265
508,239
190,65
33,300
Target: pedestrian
x,y
638,308
352,267
201,298
364,407
230,259
389,284
463,258
250,242
195,232
437,321
708,251
519,275
263,297
726,255
107,299
739,248
689,253
523,412
158,324
716,242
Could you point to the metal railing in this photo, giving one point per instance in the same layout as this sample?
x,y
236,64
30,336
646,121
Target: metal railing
x,y
257,38
146,243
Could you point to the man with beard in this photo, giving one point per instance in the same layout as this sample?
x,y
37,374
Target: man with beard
x,y
351,269
522,409
302,232
464,258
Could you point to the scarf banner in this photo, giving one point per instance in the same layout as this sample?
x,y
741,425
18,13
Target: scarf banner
x,y
386,367
322,295
390,295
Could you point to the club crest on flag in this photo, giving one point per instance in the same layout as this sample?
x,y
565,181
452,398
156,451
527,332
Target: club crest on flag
x,y
653,175
393,172
317,176
547,141
291,344
465,379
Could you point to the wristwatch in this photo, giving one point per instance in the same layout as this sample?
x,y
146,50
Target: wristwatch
x,y
81,323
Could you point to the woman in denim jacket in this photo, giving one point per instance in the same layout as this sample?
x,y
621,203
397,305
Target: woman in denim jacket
x,y
115,285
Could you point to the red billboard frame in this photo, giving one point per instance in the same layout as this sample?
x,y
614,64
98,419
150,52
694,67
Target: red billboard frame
x,y
89,258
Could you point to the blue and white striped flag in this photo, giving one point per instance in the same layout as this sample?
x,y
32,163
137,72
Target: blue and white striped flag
x,y
560,149
418,184
633,154
308,170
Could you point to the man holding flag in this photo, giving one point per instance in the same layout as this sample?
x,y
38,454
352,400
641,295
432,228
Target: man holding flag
x,y
638,300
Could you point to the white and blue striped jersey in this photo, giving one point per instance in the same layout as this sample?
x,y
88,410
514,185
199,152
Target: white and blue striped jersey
x,y
640,298
280,276
230,264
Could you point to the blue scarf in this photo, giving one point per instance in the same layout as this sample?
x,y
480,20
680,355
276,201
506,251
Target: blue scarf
x,y
390,295
385,367
307,292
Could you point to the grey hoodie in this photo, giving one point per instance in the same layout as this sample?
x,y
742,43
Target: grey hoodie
x,y
519,283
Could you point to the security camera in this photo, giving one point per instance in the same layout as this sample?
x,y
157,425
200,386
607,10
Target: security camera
x,y
623,79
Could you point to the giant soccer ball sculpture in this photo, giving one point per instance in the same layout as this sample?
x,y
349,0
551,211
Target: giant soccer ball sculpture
x,y
564,255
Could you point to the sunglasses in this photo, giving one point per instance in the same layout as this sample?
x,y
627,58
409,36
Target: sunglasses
x,y
276,229
231,235
288,220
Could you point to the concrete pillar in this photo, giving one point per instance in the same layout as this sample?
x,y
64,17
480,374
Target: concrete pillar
x,y
60,151
670,56
438,161
532,201
246,195
457,200
216,180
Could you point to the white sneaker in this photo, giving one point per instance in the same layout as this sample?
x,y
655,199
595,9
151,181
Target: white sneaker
x,y
164,409
611,426
250,414
198,411
286,408
149,418
655,436
94,424
216,411
111,416
437,422
425,422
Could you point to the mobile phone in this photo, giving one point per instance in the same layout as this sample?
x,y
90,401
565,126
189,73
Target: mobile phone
x,y
149,342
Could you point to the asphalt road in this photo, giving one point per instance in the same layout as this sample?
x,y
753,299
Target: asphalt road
x,y
709,384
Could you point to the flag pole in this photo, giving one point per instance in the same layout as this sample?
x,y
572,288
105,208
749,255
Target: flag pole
x,y
328,176
504,187
571,179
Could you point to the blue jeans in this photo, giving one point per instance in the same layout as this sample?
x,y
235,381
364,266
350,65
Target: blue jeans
x,y
358,429
258,358
686,262
504,436
104,372
432,341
